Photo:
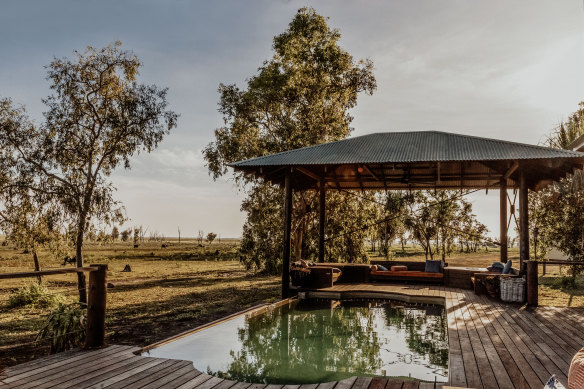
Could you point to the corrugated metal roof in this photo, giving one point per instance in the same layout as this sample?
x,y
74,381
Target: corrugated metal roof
x,y
408,147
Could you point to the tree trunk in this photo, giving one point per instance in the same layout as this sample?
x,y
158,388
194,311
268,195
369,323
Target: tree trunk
x,y
443,246
79,259
37,266
298,244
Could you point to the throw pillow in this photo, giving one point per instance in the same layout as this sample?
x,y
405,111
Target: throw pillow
x,y
433,266
507,267
382,268
553,383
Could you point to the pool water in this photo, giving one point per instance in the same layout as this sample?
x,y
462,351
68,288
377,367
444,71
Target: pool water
x,y
311,341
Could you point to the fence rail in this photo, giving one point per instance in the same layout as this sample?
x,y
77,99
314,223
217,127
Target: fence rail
x,y
96,299
48,272
560,263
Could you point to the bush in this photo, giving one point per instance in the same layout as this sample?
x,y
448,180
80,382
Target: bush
x,y
34,294
566,282
65,327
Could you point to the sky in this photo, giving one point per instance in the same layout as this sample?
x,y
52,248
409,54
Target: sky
x,y
498,69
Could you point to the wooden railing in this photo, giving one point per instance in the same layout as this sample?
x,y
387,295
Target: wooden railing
x,y
533,274
96,300
560,263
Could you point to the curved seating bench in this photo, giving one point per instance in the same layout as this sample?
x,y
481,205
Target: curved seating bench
x,y
415,272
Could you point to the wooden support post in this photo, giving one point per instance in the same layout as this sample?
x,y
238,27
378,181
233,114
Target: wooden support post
x,y
321,221
532,288
523,220
503,219
287,233
95,330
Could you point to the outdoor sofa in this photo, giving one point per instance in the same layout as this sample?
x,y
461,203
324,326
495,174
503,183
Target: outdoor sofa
x,y
405,271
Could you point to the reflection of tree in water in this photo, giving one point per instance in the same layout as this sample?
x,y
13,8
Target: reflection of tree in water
x,y
425,328
308,345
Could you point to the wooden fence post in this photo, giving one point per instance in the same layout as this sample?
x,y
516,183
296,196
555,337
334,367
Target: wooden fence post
x,y
532,292
95,331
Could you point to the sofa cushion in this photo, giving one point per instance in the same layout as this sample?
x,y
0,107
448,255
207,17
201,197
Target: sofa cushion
x,y
433,266
399,268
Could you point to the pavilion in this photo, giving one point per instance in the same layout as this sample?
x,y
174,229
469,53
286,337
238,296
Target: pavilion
x,y
414,161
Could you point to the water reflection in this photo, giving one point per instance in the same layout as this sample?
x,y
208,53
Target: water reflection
x,y
330,340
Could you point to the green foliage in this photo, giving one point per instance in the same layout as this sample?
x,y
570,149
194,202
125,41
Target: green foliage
x,y
211,237
115,233
64,327
558,210
437,218
125,235
321,344
565,282
34,294
568,131
98,117
300,97
29,218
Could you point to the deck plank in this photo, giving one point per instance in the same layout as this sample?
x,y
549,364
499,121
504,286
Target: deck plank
x,y
47,372
481,326
198,380
327,385
394,384
526,356
112,379
471,370
491,345
175,365
177,382
360,383
97,374
127,381
501,342
378,383
59,362
347,383
100,376
166,380
70,376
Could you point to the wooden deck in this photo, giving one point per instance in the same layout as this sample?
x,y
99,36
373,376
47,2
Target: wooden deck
x,y
492,345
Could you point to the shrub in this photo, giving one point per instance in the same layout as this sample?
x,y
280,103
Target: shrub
x,y
34,294
566,282
65,327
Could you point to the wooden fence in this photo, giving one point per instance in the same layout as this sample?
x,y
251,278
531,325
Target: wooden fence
x,y
96,299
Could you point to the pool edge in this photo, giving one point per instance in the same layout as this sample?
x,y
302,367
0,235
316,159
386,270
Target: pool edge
x,y
252,311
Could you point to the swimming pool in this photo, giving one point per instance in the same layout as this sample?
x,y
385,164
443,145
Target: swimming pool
x,y
312,341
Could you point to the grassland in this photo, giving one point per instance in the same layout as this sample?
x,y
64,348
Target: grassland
x,y
168,291
179,287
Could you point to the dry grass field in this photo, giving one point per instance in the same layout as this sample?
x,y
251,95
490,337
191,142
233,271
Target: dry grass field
x,y
168,291
176,288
